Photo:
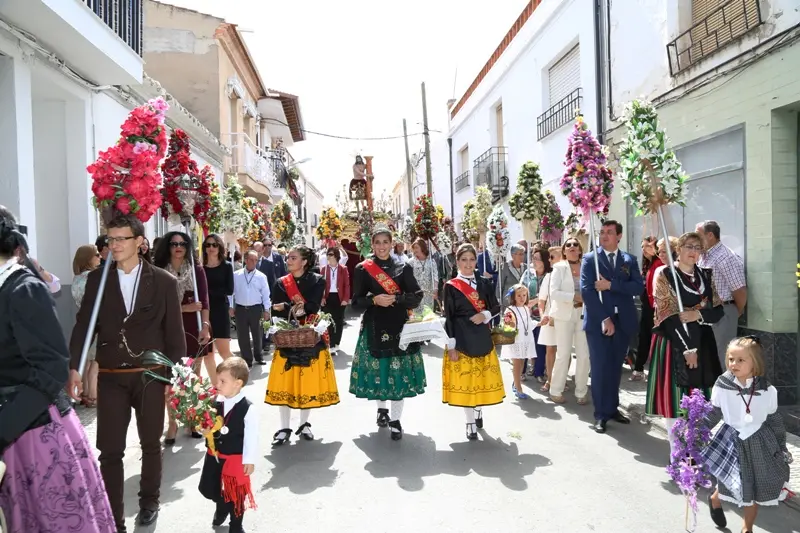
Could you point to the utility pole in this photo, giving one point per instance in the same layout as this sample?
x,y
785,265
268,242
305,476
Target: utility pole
x,y
408,168
428,173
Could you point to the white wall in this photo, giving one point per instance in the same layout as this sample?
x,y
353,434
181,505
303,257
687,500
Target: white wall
x,y
519,81
641,30
51,187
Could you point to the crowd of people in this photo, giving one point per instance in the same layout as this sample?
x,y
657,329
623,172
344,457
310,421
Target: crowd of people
x,y
561,300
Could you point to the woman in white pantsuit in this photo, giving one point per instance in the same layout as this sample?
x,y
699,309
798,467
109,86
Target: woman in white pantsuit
x,y
566,311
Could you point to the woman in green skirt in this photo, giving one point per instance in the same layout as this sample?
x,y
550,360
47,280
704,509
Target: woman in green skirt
x,y
387,290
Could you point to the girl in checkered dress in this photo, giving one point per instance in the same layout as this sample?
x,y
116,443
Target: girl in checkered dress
x,y
748,454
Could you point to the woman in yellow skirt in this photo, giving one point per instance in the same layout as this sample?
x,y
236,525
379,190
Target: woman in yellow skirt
x,y
471,375
301,378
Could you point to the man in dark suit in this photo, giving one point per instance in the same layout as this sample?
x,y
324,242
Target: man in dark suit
x,y
610,323
140,311
273,266
271,263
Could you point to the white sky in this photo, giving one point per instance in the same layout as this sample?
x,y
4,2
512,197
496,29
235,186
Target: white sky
x,y
357,66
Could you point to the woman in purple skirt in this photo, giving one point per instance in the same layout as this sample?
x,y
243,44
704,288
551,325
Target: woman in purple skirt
x,y
52,482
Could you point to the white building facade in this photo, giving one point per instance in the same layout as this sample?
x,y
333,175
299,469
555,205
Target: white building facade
x,y
63,96
723,77
523,104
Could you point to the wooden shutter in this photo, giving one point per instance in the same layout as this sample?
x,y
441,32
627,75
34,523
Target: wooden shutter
x,y
565,76
717,27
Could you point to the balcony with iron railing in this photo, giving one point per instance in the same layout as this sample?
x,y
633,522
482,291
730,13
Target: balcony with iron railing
x,y
99,39
561,113
251,164
490,170
284,182
726,24
461,182
124,17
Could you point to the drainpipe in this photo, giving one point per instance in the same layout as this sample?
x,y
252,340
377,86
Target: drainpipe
x,y
452,192
599,71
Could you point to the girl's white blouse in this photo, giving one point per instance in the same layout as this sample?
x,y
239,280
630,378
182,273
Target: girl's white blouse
x,y
733,407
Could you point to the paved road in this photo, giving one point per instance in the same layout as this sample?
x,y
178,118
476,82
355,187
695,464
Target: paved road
x,y
537,468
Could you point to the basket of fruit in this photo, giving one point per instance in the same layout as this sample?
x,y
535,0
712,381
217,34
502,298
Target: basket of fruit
x,y
504,334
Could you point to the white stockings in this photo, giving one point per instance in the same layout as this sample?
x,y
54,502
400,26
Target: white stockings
x,y
396,408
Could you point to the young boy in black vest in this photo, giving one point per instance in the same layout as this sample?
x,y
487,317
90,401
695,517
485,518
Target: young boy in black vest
x,y
226,473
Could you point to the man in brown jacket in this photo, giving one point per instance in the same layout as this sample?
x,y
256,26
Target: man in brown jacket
x,y
140,311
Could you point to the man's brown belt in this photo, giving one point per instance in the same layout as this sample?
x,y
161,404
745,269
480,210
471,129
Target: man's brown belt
x,y
128,370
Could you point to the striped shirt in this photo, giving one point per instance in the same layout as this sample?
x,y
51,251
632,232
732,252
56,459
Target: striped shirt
x,y
727,270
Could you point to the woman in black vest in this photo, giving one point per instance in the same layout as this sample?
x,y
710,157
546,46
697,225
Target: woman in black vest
x,y
301,378
471,376
381,370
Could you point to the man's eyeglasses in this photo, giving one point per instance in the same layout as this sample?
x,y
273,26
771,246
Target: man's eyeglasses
x,y
211,245
120,240
176,244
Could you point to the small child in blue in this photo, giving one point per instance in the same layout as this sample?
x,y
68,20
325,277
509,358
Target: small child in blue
x,y
748,454
226,471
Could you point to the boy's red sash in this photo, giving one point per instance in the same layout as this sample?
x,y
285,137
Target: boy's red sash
x,y
471,294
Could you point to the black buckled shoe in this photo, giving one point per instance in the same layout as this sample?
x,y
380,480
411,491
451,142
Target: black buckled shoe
x,y
304,431
717,514
478,417
219,517
281,437
383,418
472,431
146,517
397,430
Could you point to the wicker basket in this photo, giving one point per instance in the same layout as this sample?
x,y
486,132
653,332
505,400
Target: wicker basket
x,y
295,338
503,338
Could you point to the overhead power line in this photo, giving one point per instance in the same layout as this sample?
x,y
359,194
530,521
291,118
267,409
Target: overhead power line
x,y
345,137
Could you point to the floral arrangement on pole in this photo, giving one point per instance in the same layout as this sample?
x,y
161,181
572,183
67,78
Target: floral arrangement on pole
x,y
253,232
481,209
192,399
449,230
692,435
498,239
587,182
125,178
234,219
440,214
365,224
469,233
652,176
283,224
552,224
329,230
426,219
186,189
214,207
527,204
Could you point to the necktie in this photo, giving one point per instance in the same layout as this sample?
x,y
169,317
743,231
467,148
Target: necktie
x,y
611,260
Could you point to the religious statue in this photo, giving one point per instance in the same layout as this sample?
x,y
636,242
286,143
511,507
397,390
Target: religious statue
x,y
358,185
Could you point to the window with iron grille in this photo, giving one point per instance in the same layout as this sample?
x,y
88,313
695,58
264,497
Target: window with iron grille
x,y
715,24
461,182
564,76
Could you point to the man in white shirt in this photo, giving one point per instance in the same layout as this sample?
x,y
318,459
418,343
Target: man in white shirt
x,y
249,305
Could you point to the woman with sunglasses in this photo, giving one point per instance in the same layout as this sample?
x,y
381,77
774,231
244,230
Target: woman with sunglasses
x,y
173,256
566,311
684,348
219,277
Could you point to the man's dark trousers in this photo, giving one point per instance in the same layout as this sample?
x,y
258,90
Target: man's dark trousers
x,y
249,331
121,391
607,354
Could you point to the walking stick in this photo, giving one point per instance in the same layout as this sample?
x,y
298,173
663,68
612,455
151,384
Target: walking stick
x,y
187,227
672,269
594,249
87,342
